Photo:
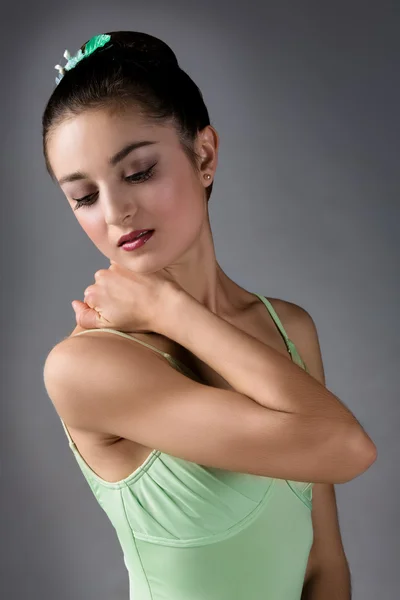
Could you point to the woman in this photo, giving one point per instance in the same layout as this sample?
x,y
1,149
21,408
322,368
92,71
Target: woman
x,y
201,441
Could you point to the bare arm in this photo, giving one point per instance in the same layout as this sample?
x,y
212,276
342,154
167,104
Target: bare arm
x,y
251,367
105,383
328,573
317,421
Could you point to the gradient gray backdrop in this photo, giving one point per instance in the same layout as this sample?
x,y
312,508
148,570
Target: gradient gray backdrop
x,y
305,207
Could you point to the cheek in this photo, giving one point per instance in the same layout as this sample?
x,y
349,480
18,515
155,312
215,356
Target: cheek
x,y
176,199
93,225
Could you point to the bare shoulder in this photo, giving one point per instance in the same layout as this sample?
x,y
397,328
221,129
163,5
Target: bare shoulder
x,y
301,329
78,368
58,348
291,314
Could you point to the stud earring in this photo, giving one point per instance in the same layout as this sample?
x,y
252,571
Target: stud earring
x,y
207,176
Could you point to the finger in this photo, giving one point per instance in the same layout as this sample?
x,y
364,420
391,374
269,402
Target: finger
x,y
86,316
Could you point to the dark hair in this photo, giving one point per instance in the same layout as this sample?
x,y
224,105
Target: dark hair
x,y
131,69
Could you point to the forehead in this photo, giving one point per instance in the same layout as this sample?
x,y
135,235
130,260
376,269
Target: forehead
x,y
91,137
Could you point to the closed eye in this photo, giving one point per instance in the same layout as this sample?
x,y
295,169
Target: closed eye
x,y
135,178
142,175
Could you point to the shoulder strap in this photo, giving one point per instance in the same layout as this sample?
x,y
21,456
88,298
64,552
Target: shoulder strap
x,y
126,335
289,344
71,442
181,366
275,317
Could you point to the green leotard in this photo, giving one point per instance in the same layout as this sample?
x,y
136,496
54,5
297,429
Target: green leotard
x,y
190,532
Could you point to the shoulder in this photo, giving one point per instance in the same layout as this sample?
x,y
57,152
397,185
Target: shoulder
x,y
301,329
76,355
70,361
291,313
81,374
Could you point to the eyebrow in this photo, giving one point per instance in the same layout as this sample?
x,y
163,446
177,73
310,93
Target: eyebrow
x,y
114,160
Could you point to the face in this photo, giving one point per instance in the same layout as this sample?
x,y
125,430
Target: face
x,y
151,187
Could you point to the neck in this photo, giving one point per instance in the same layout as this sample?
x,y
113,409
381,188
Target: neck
x,y
200,275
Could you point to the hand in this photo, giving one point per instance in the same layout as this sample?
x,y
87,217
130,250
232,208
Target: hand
x,y
123,300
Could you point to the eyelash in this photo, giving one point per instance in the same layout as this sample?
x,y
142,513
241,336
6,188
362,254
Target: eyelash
x,y
136,178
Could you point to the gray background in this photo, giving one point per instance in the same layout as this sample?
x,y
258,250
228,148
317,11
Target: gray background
x,y
305,97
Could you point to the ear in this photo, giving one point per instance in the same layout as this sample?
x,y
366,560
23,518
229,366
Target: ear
x,y
207,144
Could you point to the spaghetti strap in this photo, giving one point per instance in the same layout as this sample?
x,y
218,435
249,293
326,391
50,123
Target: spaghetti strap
x,y
291,348
275,317
71,442
177,363
126,335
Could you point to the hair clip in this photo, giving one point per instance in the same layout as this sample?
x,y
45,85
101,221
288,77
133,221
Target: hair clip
x,y
95,42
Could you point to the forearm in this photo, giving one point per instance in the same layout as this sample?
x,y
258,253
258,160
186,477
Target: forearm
x,y
248,365
329,583
318,427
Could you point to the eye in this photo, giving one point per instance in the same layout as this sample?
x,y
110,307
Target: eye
x,y
143,175
85,201
135,178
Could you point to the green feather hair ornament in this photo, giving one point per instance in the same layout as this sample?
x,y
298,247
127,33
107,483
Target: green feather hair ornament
x,y
95,42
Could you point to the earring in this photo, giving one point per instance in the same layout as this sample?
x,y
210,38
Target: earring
x,y
207,176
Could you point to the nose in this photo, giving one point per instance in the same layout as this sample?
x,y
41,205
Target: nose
x,y
118,208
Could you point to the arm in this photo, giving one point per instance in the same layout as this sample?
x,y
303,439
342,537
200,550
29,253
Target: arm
x,y
330,583
331,444
328,574
106,384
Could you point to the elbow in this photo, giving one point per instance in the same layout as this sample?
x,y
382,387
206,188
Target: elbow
x,y
362,454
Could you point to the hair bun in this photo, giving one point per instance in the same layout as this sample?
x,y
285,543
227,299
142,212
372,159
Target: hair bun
x,y
144,46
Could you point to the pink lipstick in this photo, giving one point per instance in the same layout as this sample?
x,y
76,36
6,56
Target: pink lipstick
x,y
136,239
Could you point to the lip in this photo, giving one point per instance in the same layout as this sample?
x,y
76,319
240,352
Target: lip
x,y
129,237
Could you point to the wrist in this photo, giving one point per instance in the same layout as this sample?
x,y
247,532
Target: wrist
x,y
172,304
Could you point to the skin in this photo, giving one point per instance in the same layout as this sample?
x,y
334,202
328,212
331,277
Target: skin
x,y
173,202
